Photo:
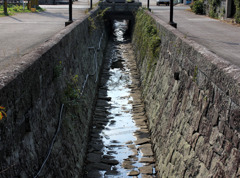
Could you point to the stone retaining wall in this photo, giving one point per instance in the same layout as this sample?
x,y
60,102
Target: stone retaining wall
x,y
60,71
192,100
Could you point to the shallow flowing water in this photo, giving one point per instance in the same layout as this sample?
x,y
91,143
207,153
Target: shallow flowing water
x,y
120,143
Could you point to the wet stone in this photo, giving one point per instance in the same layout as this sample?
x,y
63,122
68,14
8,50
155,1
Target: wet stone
x,y
141,141
93,174
127,164
110,161
114,141
147,176
129,142
147,160
133,157
97,146
133,173
111,152
140,122
108,157
93,157
146,170
131,146
119,112
98,166
112,172
146,150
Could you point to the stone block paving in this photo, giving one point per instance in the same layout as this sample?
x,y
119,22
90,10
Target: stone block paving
x,y
123,157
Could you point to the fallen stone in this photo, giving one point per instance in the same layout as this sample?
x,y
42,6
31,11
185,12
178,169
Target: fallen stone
x,y
93,157
129,142
146,170
141,131
135,153
111,152
114,141
133,157
133,173
93,174
112,172
98,166
146,176
146,150
147,160
131,146
110,161
141,141
127,164
96,147
140,122
108,157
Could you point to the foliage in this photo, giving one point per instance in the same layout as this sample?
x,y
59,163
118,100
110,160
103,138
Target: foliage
x,y
100,14
148,40
72,91
13,9
2,113
148,37
213,7
198,7
58,70
237,14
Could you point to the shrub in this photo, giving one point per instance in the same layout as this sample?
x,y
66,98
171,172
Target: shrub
x,y
198,7
237,14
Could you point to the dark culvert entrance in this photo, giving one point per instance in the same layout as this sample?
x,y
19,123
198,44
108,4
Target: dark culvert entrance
x,y
120,142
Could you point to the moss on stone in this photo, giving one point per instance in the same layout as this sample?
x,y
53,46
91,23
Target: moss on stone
x,y
147,38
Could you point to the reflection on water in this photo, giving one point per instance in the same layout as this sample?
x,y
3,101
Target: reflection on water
x,y
115,148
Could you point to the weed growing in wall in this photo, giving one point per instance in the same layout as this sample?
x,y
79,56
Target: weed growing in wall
x,y
147,38
57,71
92,20
72,91
195,73
2,112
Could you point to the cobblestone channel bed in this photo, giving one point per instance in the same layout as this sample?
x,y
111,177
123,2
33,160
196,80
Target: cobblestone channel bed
x,y
120,144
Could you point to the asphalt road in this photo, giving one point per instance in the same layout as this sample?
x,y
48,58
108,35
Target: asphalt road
x,y
20,33
219,37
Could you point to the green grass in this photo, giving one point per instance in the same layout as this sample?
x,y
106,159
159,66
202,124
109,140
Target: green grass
x,y
13,9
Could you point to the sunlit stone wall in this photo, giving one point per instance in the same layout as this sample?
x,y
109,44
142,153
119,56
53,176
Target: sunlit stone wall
x,y
192,100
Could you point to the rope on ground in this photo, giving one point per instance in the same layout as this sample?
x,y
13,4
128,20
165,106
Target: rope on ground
x,y
53,140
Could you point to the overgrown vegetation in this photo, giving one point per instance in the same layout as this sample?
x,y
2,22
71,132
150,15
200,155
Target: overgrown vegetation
x,y
237,14
214,5
13,9
198,7
148,40
92,24
72,91
148,37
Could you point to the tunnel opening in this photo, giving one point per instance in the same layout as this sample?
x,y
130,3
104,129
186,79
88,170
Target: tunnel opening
x,y
112,17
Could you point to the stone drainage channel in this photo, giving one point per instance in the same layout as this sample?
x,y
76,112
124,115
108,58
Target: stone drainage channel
x,y
120,142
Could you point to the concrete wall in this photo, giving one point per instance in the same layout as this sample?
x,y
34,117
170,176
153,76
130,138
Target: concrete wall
x,y
192,100
33,92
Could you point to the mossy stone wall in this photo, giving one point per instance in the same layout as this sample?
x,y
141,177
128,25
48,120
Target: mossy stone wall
x,y
60,71
192,100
